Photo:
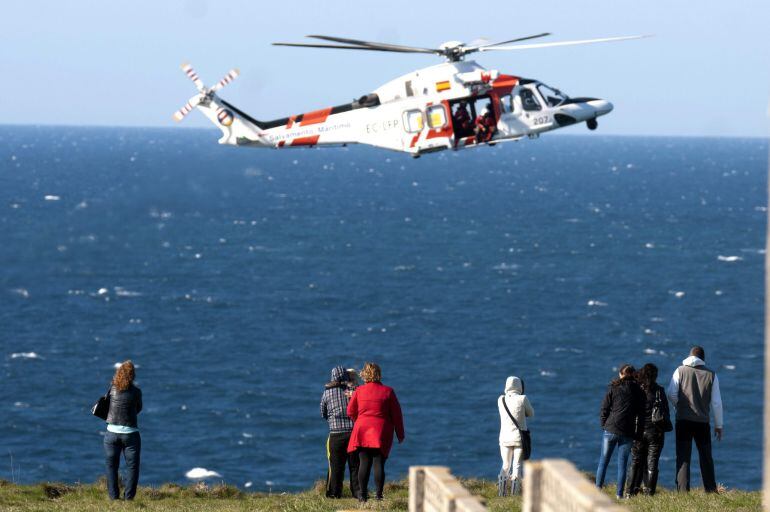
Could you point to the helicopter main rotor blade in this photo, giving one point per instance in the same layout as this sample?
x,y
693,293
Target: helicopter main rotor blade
x,y
384,46
560,43
486,45
342,47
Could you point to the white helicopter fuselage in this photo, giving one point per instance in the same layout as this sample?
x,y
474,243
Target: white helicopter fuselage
x,y
416,113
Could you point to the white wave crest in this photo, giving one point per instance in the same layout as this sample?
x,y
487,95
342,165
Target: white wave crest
x,y
21,291
729,259
122,292
25,355
201,474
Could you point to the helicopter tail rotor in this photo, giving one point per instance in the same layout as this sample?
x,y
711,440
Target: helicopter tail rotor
x,y
227,79
193,76
205,94
187,108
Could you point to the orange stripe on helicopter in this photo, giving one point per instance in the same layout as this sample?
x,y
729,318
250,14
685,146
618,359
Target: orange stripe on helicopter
x,y
305,141
290,121
504,84
443,86
281,143
414,140
315,117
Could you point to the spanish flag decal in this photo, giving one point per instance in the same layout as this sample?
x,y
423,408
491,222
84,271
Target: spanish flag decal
x,y
443,86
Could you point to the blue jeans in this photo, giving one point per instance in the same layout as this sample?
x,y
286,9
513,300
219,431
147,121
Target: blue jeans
x,y
130,445
609,441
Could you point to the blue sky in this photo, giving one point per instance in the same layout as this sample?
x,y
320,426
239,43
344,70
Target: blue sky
x,y
706,71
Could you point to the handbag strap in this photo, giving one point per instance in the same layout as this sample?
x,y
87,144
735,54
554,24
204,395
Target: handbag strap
x,y
510,415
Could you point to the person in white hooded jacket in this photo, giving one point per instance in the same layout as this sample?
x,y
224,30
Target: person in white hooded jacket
x,y
694,393
509,480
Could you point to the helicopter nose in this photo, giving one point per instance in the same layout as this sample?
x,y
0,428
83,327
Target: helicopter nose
x,y
601,107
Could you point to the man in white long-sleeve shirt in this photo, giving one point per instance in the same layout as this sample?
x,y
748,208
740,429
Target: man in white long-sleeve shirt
x,y
694,393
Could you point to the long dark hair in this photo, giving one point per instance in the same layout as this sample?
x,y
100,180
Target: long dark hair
x,y
626,372
647,376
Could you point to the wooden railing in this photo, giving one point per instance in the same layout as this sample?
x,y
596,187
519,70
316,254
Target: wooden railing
x,y
550,485
434,489
555,485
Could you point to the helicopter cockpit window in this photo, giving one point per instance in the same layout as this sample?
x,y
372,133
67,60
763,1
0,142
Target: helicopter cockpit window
x,y
436,116
529,101
506,104
413,121
554,97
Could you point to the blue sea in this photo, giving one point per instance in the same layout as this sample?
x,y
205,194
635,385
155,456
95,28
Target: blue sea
x,y
236,279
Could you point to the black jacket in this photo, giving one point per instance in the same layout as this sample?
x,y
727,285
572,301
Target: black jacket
x,y
648,426
124,406
623,408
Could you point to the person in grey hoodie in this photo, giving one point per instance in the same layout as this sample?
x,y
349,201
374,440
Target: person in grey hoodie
x,y
509,480
334,406
694,393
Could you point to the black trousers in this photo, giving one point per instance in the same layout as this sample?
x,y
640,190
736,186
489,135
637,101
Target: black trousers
x,y
368,458
686,433
645,454
337,453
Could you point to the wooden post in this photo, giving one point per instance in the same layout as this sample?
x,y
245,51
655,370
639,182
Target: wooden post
x,y
534,471
416,488
766,468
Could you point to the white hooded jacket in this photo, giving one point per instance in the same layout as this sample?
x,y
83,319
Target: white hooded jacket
x,y
520,408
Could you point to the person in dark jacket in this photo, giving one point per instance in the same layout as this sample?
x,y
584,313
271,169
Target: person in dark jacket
x,y
334,406
621,411
122,436
645,453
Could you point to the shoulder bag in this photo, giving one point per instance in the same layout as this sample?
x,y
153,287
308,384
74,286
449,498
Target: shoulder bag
x,y
526,436
101,408
658,416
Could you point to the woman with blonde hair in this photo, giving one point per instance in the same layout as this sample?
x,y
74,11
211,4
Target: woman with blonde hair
x,y
122,436
376,412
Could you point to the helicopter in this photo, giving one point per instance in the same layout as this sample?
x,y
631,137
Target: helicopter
x,y
455,105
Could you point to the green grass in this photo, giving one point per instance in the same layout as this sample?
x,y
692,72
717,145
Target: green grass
x,y
224,498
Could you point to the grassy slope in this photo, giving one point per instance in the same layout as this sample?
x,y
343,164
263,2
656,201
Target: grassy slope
x,y
59,497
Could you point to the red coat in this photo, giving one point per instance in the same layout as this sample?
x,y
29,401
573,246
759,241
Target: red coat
x,y
376,412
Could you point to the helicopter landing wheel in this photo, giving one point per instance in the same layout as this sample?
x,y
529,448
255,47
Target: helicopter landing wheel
x,y
592,124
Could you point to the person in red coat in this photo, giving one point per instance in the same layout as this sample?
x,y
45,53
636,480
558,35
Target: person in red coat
x,y
377,414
